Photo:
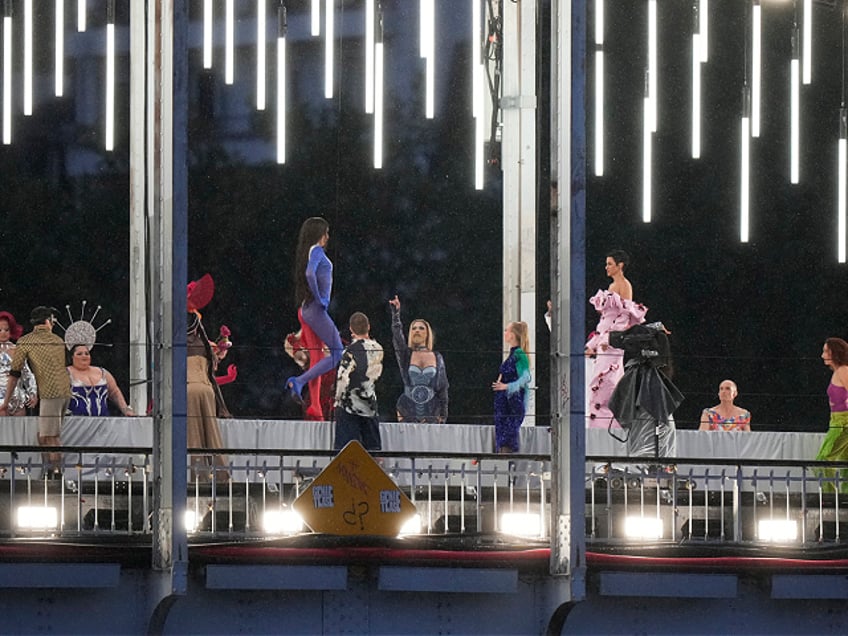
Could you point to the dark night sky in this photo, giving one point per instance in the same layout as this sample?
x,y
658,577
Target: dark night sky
x,y
757,313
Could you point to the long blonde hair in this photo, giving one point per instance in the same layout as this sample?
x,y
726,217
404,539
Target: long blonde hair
x,y
522,334
430,335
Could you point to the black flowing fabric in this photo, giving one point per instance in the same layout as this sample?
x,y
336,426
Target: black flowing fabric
x,y
645,398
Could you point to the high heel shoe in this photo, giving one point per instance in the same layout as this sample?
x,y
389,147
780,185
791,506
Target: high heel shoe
x,y
294,389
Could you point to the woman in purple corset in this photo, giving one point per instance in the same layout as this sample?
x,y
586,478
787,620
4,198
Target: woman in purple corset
x,y
313,287
835,444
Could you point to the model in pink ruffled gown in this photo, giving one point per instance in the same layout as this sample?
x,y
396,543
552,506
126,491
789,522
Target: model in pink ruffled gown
x,y
605,364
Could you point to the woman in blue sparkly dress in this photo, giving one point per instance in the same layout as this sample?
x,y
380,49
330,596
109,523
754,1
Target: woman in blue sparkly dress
x,y
511,389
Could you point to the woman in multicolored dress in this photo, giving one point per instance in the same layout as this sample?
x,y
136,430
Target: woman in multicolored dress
x,y
834,448
726,416
511,389
26,391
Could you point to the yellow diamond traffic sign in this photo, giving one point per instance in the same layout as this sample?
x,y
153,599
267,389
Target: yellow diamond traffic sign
x,y
354,496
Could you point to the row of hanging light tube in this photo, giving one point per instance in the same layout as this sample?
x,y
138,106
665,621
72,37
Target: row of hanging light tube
x,y
800,73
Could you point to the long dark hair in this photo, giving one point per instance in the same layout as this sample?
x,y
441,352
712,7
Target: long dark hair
x,y
311,232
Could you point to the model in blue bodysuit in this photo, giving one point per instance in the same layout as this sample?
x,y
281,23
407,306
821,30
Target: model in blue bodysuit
x,y
314,293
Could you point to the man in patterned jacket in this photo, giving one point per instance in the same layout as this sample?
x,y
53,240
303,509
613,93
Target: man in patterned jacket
x,y
356,401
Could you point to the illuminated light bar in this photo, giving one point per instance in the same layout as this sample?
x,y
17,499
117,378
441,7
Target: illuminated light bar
x,y
521,524
645,528
60,47
756,66
27,57
81,11
646,162
599,88
207,33
599,113
794,116
329,50
316,17
777,530
430,67
808,42
229,43
7,76
745,178
696,96
480,130
282,27
411,526
260,54
110,75
378,91
841,184
653,69
369,56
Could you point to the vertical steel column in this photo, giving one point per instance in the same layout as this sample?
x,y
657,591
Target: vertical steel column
x,y
167,52
139,395
568,174
518,159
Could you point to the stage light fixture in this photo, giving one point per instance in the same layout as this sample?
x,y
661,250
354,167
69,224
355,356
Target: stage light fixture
x,y
777,530
430,63
110,75
207,33
282,522
38,518
480,132
841,176
260,54
521,524
229,42
599,88
412,526
81,11
59,47
745,178
190,520
378,93
643,528
329,44
647,153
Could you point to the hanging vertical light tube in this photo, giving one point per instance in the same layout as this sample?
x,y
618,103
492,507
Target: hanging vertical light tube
x,y
794,109
756,66
316,17
652,61
704,30
745,167
647,154
430,63
207,33
476,22
110,75
369,56
807,42
329,52
59,48
27,57
260,54
842,151
7,72
599,88
477,86
282,28
81,11
696,86
378,90
229,42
